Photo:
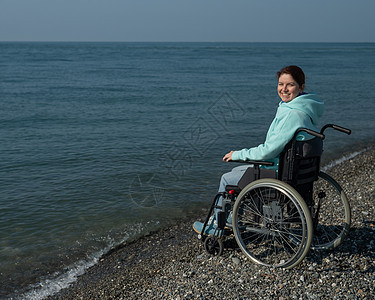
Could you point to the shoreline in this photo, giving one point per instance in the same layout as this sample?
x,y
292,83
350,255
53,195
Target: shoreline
x,y
172,264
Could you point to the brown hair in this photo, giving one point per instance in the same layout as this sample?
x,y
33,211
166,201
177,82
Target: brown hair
x,y
295,71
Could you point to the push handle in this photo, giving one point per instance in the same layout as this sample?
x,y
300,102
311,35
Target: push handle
x,y
336,127
342,129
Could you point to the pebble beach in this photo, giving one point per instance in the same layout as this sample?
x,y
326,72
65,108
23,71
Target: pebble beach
x,y
172,263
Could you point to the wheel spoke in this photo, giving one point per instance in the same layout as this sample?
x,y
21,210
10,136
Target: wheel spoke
x,y
270,225
334,217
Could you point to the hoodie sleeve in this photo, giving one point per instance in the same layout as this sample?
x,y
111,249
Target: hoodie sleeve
x,y
279,134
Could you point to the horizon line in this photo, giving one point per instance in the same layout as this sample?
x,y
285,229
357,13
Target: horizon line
x,y
238,42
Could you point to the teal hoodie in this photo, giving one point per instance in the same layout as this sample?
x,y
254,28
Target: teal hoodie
x,y
303,111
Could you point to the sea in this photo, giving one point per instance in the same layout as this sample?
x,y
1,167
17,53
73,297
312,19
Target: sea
x,y
102,143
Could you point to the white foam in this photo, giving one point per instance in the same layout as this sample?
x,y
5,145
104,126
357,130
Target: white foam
x,y
342,159
50,287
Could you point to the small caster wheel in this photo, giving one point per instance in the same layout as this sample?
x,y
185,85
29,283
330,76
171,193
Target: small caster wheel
x,y
213,246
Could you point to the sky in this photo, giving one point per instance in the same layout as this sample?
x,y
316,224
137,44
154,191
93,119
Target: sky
x,y
188,20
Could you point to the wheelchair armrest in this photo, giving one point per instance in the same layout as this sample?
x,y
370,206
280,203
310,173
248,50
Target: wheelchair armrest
x,y
255,162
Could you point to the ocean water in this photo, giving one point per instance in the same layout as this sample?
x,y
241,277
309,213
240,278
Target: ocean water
x,y
104,142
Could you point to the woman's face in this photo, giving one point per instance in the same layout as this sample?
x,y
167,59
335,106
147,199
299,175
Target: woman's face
x,y
288,88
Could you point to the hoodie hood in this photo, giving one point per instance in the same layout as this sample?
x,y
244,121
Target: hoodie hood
x,y
307,103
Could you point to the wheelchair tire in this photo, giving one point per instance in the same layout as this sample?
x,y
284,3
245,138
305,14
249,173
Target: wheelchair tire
x,y
213,246
272,224
334,218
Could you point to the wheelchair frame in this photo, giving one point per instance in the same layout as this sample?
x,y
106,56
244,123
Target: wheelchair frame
x,y
272,223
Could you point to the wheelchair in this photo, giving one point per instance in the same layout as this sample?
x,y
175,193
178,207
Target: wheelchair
x,y
277,217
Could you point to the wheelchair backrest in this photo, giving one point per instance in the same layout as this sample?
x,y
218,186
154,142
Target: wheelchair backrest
x,y
300,161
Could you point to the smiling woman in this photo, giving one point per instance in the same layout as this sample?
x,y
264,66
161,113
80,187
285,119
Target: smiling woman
x,y
296,110
304,111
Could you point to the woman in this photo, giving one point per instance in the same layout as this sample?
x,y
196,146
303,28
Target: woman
x,y
296,109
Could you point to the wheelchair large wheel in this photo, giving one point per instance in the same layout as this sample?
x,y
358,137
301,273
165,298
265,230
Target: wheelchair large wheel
x,y
272,224
333,216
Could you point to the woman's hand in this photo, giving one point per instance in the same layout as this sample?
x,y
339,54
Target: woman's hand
x,y
228,157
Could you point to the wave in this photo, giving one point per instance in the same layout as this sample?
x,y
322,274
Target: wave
x,y
50,287
342,159
57,282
